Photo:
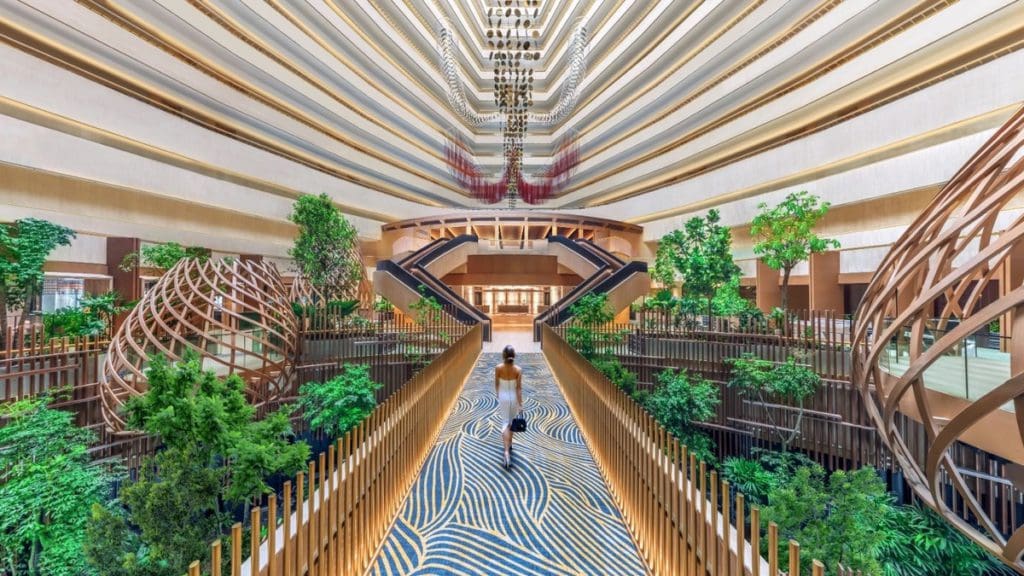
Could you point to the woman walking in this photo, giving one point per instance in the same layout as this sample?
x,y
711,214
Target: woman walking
x,y
508,386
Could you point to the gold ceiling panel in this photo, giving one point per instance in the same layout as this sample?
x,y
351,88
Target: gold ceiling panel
x,y
376,64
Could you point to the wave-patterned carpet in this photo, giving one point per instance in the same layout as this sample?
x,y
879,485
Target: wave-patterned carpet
x,y
550,514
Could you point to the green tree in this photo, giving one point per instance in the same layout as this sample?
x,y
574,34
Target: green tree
x,y
113,548
589,315
785,234
24,247
164,256
325,246
787,380
838,521
213,452
700,254
341,403
47,485
679,402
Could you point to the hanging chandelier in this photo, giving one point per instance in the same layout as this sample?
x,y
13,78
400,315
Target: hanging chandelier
x,y
513,43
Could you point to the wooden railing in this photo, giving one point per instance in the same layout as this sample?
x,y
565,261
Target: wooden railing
x,y
332,518
675,507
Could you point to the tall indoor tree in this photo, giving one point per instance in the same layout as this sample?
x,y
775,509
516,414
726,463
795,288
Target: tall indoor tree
x,y
699,253
48,482
24,247
325,248
785,234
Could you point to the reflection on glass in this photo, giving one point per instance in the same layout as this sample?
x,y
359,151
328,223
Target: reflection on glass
x,y
968,369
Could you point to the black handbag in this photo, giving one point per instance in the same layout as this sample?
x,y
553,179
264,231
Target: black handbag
x,y
518,424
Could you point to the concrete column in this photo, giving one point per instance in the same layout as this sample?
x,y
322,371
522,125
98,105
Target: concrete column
x,y
825,291
766,285
126,282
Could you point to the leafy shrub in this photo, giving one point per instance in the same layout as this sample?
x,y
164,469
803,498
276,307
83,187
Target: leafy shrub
x,y
919,542
382,304
751,478
681,401
341,403
617,374
427,309
836,521
340,308
213,453
93,316
71,322
163,256
590,314
641,396
47,485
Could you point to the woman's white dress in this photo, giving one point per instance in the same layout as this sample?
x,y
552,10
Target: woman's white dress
x,y
508,403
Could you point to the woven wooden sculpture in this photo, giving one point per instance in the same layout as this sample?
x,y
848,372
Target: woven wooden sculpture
x,y
913,338
235,314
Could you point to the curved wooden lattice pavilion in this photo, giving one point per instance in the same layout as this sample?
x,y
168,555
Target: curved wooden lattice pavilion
x,y
235,314
958,268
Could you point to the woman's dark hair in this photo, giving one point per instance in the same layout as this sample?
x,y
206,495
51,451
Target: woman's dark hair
x,y
509,353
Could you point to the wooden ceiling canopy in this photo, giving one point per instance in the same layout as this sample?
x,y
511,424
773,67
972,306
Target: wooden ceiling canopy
x,y
236,314
513,225
926,298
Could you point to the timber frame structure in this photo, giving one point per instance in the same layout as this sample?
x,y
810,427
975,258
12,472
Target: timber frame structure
x,y
924,301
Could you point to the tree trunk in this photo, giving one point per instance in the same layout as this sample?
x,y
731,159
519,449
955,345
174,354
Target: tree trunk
x,y
26,306
796,428
785,288
3,319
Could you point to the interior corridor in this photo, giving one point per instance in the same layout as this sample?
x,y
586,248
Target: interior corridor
x,y
550,514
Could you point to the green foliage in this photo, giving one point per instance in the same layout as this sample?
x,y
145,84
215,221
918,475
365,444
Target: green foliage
x,y
382,304
341,403
788,380
177,510
325,246
838,521
750,477
919,542
213,452
24,247
785,234
589,314
47,486
757,476
679,402
427,309
700,254
617,374
72,322
727,300
263,451
93,316
163,256
112,547
662,300
338,308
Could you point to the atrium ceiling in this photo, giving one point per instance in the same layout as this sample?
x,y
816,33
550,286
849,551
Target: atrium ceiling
x,y
235,107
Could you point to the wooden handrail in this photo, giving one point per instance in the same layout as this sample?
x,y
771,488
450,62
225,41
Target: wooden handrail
x,y
355,489
676,509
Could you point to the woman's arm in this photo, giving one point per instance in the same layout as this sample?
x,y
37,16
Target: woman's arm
x,y
519,389
496,383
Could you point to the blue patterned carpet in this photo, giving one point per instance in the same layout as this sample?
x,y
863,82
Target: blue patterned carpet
x,y
551,514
